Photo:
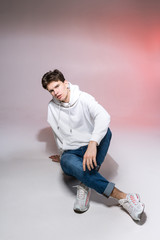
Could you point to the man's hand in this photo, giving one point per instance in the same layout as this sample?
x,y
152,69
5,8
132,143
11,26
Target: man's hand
x,y
55,158
89,157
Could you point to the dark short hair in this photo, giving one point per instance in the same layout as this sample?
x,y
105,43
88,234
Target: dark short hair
x,y
52,76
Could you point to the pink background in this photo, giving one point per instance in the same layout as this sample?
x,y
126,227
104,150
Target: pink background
x,y
111,49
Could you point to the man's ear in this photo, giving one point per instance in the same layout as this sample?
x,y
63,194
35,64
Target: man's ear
x,y
66,83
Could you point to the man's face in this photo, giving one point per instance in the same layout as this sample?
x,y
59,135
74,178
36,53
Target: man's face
x,y
59,90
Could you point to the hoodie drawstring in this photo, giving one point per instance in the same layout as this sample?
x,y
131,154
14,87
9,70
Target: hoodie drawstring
x,y
59,110
69,117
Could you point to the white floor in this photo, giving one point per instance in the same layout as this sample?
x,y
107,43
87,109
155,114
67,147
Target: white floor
x,y
37,198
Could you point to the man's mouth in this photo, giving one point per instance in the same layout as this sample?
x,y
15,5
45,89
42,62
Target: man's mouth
x,y
59,96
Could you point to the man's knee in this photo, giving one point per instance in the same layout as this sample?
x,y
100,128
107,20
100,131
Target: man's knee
x,y
70,164
64,164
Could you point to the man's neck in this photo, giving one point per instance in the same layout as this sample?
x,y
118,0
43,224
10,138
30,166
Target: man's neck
x,y
67,97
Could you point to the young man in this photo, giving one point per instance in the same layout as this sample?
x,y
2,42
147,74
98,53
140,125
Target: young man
x,y
82,134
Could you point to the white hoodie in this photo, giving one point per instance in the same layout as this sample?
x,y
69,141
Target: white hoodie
x,y
78,122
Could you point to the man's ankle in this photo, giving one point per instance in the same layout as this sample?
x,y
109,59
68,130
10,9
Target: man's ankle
x,y
116,193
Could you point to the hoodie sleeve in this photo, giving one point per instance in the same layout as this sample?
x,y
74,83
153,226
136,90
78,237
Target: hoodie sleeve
x,y
100,117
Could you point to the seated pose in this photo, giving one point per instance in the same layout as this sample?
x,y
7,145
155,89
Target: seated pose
x,y
81,129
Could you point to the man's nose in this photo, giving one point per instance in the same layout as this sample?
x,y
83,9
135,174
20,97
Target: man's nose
x,y
55,92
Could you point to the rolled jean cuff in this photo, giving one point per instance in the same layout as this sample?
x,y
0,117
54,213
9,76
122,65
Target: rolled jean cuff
x,y
109,189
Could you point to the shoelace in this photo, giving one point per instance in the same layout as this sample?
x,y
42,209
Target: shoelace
x,y
133,200
80,192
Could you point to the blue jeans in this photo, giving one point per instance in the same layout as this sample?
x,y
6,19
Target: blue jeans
x,y
72,165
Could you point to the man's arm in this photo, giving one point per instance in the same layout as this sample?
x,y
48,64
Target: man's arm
x,y
101,123
100,117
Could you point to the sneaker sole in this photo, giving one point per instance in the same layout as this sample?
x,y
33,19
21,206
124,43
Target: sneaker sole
x,y
139,216
77,210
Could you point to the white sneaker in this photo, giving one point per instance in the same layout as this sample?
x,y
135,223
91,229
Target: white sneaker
x,y
133,205
82,201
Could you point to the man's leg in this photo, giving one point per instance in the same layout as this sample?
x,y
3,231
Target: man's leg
x,y
72,165
130,202
103,147
116,193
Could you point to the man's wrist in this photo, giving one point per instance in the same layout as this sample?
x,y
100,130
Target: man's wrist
x,y
93,143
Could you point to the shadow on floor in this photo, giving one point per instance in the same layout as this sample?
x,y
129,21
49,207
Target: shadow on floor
x,y
46,135
143,218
